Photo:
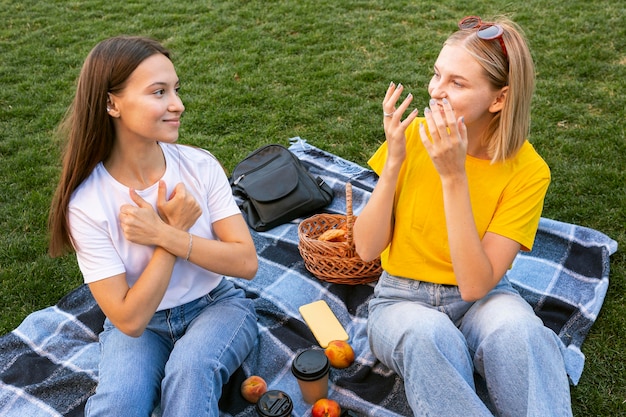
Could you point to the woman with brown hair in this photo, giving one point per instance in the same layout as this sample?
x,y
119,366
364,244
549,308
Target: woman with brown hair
x,y
155,230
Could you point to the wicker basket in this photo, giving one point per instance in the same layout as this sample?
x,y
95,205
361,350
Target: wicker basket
x,y
335,262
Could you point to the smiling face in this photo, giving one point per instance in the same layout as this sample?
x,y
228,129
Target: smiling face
x,y
460,79
148,108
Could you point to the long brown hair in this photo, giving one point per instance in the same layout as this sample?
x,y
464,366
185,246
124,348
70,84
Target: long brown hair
x,y
509,128
87,127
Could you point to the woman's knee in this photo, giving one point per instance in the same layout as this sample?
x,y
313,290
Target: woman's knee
x,y
400,333
129,397
518,340
130,373
213,352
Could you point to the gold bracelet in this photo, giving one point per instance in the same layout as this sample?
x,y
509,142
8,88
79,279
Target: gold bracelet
x,y
190,246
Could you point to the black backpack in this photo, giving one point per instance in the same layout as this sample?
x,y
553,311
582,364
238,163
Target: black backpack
x,y
273,187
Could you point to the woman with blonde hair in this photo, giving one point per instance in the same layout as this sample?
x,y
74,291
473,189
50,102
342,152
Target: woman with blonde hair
x,y
460,193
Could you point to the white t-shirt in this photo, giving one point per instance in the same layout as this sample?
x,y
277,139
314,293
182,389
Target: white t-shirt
x,y
103,251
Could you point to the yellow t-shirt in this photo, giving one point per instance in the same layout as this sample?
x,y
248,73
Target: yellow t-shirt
x,y
506,197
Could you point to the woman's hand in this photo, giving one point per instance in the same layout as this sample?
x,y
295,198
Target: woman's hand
x,y
181,210
448,147
141,224
394,126
131,308
374,225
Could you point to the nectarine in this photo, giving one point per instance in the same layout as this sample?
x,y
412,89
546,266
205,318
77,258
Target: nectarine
x,y
253,388
340,354
326,408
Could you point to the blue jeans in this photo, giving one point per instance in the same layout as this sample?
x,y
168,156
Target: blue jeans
x,y
181,360
436,341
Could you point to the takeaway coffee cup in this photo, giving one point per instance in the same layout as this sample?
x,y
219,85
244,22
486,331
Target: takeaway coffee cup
x,y
274,404
311,368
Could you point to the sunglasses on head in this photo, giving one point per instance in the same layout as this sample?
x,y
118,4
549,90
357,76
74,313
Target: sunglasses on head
x,y
486,30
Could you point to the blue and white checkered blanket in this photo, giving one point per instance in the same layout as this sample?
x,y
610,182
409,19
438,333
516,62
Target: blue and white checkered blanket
x,y
48,365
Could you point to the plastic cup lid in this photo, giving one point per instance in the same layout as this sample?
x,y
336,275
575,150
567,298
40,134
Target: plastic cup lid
x,y
310,365
274,403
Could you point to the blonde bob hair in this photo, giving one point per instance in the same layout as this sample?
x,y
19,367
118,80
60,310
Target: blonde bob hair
x,y
514,69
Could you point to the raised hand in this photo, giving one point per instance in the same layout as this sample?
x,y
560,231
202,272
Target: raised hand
x,y
446,139
394,126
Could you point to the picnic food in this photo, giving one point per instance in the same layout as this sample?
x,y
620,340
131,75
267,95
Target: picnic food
x,y
326,408
253,388
333,235
340,354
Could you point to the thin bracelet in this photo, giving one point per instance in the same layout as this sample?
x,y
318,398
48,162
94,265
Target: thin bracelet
x,y
190,246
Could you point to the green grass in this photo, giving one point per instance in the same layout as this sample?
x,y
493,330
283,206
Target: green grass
x,y
256,72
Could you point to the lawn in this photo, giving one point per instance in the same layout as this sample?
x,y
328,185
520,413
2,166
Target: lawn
x,y
257,72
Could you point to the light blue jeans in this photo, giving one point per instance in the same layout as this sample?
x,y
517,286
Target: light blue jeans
x,y
180,362
436,341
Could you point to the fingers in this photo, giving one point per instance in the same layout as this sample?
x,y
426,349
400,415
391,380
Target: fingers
x,y
391,98
444,136
131,219
137,199
179,189
163,200
181,210
389,105
447,107
126,211
424,136
461,126
390,90
405,104
161,196
441,120
399,112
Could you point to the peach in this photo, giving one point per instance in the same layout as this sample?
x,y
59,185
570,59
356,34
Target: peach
x,y
326,408
253,388
340,354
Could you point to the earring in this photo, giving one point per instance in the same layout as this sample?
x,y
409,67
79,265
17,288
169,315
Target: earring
x,y
108,109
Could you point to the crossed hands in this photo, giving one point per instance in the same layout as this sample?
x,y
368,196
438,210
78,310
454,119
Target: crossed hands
x,y
444,136
141,223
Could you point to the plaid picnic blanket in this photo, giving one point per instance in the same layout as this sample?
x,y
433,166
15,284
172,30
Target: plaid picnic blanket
x,y
48,364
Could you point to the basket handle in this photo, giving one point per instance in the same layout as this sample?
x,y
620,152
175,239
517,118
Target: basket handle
x,y
349,216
